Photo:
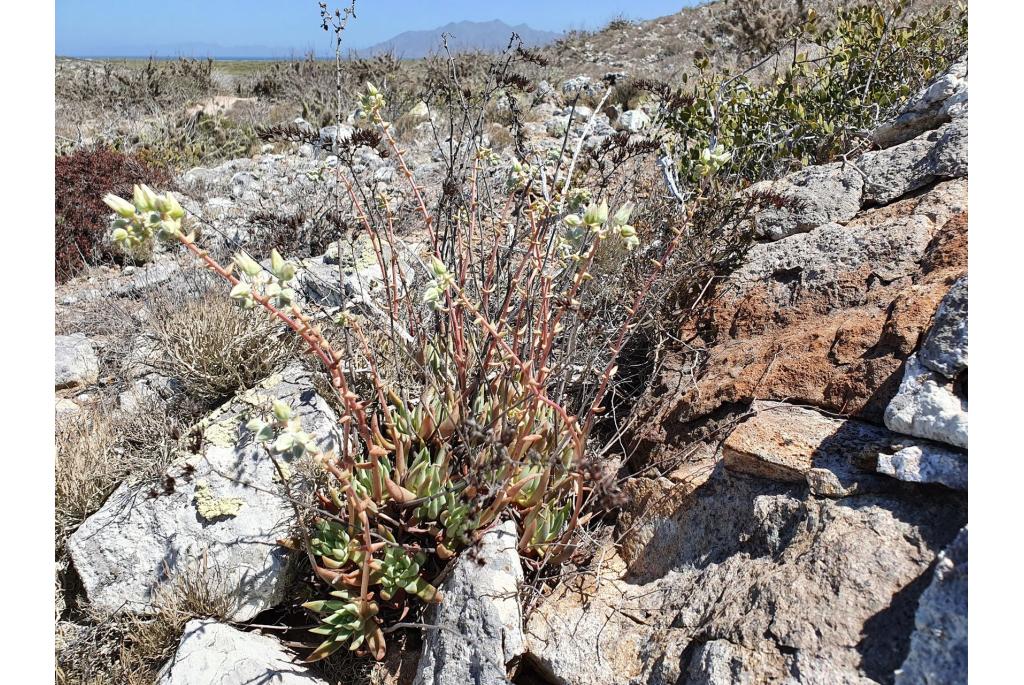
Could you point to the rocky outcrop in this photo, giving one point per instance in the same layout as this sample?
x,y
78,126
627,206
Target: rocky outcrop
x,y
940,102
479,625
807,199
218,513
212,652
896,171
800,464
824,318
781,582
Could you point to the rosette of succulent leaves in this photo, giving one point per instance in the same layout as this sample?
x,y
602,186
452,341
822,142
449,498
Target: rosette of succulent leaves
x,y
421,470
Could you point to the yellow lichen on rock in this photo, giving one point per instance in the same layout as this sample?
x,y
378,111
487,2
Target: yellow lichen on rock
x,y
211,507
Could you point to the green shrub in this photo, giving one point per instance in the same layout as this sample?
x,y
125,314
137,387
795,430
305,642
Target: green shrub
x,y
200,139
817,107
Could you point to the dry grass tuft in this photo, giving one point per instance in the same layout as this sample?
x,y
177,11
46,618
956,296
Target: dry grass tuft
x,y
214,348
98,449
128,649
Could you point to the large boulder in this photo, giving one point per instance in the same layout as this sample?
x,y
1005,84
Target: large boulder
x,y
479,623
218,513
74,361
751,577
211,652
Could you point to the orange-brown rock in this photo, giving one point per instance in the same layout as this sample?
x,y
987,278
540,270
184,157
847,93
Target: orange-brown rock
x,y
824,318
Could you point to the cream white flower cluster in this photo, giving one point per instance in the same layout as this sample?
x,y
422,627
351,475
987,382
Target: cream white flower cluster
x,y
371,102
713,160
148,214
285,430
596,220
274,285
433,296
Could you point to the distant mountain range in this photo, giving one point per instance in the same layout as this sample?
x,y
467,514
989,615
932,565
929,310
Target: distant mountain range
x,y
463,36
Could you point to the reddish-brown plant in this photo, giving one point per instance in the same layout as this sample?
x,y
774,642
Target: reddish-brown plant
x,y
82,221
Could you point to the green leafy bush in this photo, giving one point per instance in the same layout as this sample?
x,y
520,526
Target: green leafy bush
x,y
840,82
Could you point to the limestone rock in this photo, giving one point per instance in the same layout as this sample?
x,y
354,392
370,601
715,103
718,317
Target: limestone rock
x,y
896,171
719,662
145,535
349,273
329,134
74,363
926,407
820,587
241,182
824,318
938,647
929,464
938,103
480,624
581,85
945,348
211,652
545,93
811,197
633,120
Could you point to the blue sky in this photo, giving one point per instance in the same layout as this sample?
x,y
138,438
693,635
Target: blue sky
x,y
130,27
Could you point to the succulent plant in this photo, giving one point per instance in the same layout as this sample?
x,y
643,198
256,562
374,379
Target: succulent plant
x,y
399,571
348,621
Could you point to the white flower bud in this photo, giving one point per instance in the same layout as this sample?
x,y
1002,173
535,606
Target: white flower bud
x,y
282,411
276,262
119,205
621,217
247,264
287,272
242,293
596,215
173,209
438,268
